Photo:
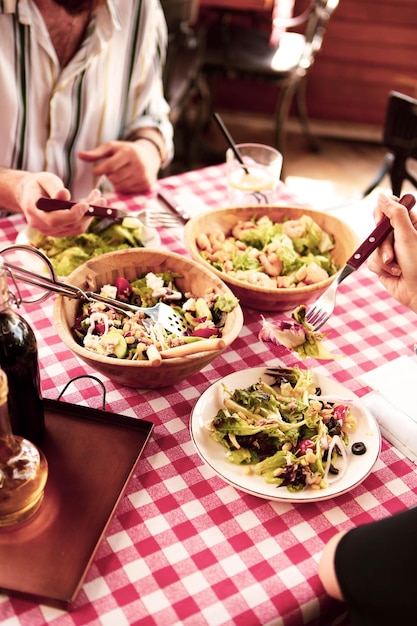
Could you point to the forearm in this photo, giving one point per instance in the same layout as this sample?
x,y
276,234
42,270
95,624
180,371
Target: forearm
x,y
372,568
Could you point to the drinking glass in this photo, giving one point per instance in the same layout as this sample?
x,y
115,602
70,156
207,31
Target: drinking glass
x,y
256,181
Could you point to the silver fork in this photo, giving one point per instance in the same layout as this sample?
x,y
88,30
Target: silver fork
x,y
323,308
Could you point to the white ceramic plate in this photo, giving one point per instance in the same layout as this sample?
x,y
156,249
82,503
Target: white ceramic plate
x,y
214,454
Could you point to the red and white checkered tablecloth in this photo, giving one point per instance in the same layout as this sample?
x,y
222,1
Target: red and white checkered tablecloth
x,y
184,547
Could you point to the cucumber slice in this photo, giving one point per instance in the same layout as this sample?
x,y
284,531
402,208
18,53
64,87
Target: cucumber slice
x,y
202,309
114,343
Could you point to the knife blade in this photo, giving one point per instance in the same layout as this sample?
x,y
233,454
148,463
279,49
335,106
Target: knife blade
x,y
52,204
175,207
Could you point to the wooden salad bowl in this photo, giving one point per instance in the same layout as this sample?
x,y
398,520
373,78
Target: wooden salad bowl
x,y
262,298
130,264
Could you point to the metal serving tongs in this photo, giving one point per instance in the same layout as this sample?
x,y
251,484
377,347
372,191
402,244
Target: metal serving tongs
x,y
47,280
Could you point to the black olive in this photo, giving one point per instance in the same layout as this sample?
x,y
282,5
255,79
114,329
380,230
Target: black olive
x,y
358,447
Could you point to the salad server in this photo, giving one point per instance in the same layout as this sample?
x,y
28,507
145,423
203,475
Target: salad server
x,y
160,313
320,312
107,214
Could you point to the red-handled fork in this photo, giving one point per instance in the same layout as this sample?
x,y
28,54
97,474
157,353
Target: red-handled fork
x,y
320,312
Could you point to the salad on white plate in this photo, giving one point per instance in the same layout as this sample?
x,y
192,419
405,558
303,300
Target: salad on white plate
x,y
285,434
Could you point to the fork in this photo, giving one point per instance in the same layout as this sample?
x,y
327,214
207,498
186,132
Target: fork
x,y
320,312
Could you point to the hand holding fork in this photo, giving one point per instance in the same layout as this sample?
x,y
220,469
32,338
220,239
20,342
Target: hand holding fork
x,y
320,312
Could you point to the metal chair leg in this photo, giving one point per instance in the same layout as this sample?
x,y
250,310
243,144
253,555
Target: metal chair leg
x,y
411,179
281,114
294,89
399,174
303,115
385,169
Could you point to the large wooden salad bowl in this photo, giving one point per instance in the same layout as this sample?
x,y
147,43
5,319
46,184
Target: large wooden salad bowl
x,y
262,298
130,264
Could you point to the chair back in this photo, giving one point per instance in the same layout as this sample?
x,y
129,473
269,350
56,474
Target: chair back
x,y
239,47
179,14
316,23
400,129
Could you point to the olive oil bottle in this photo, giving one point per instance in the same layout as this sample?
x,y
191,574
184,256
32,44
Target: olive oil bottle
x,y
19,359
23,469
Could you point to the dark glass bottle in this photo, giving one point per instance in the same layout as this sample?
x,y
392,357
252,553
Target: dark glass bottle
x,y
23,469
19,359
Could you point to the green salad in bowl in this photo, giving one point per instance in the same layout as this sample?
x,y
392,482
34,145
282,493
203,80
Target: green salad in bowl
x,y
273,258
68,253
271,254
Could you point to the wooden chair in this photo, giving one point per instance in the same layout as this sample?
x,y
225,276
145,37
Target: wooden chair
x,y
240,50
400,139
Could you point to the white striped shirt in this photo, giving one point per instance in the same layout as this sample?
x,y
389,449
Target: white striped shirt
x,y
111,87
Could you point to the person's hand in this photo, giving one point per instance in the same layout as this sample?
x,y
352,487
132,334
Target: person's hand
x,y
395,260
63,223
131,166
20,190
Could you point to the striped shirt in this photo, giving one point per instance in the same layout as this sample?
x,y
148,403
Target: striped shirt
x,y
111,87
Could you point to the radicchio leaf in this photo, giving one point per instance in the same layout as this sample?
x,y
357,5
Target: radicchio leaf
x,y
297,334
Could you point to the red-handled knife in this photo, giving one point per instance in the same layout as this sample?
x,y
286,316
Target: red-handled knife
x,y
51,204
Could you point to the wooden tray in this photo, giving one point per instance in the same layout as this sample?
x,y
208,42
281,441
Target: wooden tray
x,y
91,455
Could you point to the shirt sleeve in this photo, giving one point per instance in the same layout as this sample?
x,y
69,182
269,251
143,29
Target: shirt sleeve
x,y
376,569
147,106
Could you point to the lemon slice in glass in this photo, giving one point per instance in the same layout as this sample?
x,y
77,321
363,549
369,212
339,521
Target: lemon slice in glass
x,y
255,180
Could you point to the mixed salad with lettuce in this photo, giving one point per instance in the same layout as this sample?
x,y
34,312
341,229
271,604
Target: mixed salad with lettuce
x,y
286,431
108,331
287,254
67,253
295,333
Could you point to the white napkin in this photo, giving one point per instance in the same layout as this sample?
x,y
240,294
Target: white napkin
x,y
393,402
191,203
